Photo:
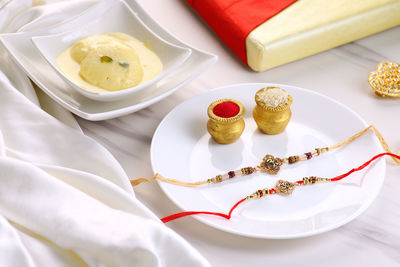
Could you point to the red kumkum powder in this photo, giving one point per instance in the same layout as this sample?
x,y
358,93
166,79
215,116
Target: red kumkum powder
x,y
226,110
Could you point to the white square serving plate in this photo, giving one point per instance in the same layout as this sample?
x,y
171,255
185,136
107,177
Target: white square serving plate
x,y
120,18
23,52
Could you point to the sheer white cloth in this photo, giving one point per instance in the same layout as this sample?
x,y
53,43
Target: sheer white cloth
x,y
64,200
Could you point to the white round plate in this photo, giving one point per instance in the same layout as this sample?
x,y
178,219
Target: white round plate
x,y
182,149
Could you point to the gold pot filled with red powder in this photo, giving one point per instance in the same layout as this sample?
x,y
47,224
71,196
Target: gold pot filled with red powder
x,y
226,122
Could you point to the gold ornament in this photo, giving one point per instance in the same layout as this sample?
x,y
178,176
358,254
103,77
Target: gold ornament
x,y
385,80
270,164
284,187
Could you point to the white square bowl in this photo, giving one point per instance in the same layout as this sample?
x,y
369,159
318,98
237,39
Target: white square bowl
x,y
22,51
118,18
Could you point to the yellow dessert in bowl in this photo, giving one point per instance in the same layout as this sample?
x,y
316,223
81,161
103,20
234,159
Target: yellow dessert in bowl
x,y
109,62
106,43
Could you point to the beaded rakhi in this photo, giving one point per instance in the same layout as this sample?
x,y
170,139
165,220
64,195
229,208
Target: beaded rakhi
x,y
282,187
269,164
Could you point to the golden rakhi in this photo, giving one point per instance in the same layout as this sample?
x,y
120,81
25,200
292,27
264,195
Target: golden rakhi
x,y
270,164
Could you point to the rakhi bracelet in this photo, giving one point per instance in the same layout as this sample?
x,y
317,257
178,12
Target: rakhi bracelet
x,y
282,187
269,164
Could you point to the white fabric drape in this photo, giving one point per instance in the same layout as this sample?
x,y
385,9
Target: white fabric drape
x,y
64,200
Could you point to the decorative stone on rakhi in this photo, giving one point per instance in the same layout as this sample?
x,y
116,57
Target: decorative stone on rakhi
x,y
270,164
225,123
272,111
284,187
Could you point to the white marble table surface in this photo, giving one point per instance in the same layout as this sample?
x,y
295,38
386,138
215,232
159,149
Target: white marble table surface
x,y
370,240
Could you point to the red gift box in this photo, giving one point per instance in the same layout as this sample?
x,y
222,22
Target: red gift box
x,y
268,33
233,20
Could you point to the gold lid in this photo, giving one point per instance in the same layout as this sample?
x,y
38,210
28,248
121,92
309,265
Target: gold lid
x,y
211,114
269,108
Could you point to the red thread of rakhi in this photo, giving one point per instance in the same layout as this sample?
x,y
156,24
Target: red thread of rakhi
x,y
282,187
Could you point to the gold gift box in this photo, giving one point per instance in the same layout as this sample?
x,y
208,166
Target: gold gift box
x,y
308,27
